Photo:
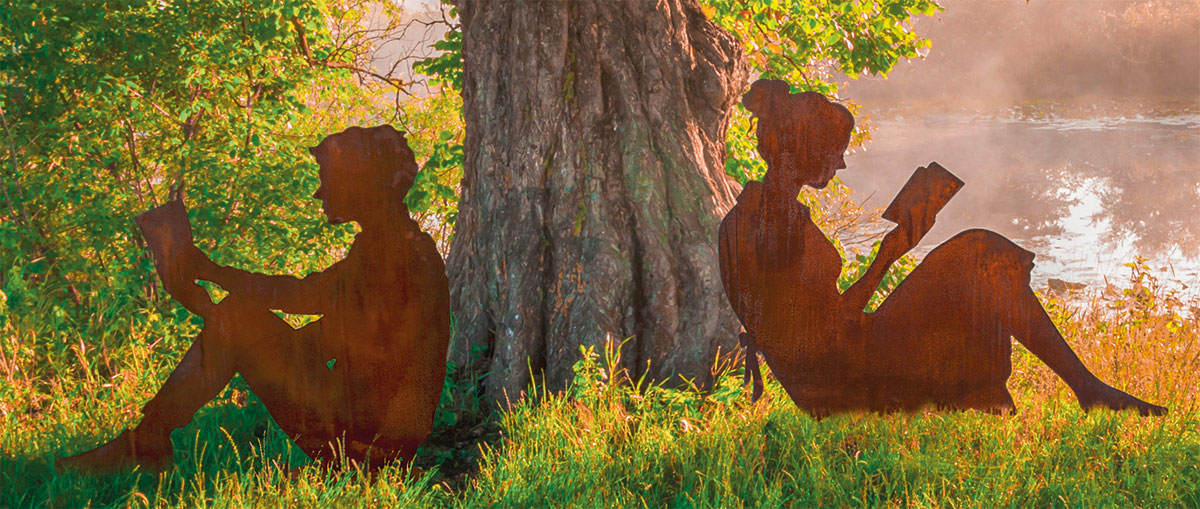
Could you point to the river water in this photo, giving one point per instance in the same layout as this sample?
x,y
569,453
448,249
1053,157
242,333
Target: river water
x,y
1074,123
1088,185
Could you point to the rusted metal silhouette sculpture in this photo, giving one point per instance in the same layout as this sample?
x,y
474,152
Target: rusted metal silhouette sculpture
x,y
942,337
364,379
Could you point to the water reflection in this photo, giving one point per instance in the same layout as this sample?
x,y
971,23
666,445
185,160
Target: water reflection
x,y
1158,205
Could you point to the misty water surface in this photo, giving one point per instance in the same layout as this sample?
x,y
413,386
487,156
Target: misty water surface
x,y
1088,194
1075,124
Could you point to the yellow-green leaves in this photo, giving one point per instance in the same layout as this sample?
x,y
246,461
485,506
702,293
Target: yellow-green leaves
x,y
119,102
804,41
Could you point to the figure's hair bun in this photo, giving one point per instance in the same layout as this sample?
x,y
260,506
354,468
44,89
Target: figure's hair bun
x,y
762,94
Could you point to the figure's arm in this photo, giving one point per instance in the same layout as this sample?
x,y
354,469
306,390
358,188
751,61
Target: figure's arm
x,y
169,237
180,263
914,210
311,295
894,245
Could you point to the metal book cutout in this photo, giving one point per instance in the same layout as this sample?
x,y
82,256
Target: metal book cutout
x,y
941,338
365,378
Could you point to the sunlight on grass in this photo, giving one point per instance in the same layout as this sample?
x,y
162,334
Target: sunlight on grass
x,y
611,441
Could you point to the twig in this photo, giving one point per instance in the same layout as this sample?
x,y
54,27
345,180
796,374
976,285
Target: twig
x,y
306,52
133,158
160,109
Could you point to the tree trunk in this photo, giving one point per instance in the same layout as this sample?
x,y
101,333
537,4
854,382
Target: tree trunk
x,y
593,189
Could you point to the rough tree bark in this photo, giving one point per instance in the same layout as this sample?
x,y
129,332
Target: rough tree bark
x,y
593,188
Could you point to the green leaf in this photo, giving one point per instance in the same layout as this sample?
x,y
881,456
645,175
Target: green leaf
x,y
832,38
809,25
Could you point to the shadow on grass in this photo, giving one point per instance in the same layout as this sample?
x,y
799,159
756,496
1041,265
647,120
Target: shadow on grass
x,y
231,436
231,448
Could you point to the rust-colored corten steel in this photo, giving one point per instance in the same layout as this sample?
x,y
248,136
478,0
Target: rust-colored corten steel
x,y
942,337
367,374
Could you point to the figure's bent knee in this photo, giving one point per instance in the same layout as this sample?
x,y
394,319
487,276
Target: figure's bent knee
x,y
990,241
987,252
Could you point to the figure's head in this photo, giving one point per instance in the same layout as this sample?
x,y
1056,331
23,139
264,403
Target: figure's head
x,y
802,137
365,172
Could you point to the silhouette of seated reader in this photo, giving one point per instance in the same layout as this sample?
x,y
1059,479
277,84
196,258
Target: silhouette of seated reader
x,y
365,378
942,337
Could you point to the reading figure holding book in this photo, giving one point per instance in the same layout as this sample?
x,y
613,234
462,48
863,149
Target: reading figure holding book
x,y
942,337
365,378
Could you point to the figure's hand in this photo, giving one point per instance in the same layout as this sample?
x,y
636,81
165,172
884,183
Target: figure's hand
x,y
176,258
169,235
166,229
906,235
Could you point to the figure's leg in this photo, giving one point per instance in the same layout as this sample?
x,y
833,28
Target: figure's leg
x,y
939,336
978,283
199,377
206,368
992,273
1037,332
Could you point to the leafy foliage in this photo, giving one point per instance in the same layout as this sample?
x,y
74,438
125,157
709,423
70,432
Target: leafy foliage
x,y
436,129
120,103
437,185
802,41
446,69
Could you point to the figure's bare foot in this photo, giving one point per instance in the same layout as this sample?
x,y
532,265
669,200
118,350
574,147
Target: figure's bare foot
x,y
152,454
1116,399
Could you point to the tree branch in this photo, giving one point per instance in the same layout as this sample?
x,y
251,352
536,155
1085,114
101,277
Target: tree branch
x,y
306,52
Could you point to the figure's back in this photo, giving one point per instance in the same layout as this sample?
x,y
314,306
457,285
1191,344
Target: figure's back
x,y
780,273
405,357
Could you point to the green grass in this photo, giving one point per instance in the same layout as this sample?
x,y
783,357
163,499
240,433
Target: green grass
x,y
610,442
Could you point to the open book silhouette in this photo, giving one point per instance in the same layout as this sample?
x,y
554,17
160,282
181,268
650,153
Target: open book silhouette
x,y
926,192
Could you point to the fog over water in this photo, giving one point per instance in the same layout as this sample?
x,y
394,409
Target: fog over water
x,y
1075,125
